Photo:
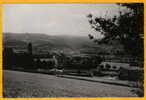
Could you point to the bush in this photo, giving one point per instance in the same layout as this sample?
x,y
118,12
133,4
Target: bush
x,y
131,73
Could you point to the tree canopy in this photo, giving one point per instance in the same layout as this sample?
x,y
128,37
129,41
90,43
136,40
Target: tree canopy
x,y
127,27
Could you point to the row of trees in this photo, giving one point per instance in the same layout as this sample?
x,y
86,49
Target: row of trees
x,y
27,60
13,60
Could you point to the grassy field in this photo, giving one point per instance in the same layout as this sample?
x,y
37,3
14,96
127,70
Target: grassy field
x,y
23,84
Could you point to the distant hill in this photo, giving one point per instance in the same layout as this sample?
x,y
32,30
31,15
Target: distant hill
x,y
45,43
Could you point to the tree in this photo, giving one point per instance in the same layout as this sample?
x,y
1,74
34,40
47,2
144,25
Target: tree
x,y
8,58
128,28
29,48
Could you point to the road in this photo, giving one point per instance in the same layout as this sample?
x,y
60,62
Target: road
x,y
23,84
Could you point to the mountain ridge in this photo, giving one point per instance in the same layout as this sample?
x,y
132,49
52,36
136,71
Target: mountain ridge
x,y
45,43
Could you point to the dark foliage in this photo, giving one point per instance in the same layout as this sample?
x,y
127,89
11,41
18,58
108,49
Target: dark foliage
x,y
128,28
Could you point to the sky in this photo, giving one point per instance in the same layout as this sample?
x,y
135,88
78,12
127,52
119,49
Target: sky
x,y
54,19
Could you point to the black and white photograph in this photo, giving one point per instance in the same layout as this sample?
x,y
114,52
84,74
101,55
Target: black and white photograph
x,y
73,50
